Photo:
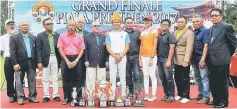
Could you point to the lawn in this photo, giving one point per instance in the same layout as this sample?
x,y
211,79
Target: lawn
x,y
2,72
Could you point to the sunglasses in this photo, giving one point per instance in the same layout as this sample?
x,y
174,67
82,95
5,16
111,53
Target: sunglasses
x,y
49,24
214,15
96,26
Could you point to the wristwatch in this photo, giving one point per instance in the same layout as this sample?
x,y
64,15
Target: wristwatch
x,y
152,57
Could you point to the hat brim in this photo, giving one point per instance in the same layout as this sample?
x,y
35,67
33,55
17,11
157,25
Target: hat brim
x,y
147,19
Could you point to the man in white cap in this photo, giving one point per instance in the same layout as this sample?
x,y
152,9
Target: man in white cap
x,y
96,56
8,67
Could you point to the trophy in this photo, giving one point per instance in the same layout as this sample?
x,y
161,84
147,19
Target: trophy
x,y
74,96
119,101
82,102
112,98
103,96
139,102
127,101
90,99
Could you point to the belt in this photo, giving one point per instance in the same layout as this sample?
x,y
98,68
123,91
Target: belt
x,y
118,54
30,58
52,54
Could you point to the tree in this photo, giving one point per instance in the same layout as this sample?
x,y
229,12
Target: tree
x,y
231,14
4,15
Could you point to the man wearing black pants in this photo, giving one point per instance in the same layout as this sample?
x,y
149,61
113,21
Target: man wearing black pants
x,y
132,66
71,47
222,44
8,67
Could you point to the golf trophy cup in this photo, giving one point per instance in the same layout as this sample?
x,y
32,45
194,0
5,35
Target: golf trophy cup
x,y
82,102
119,102
74,96
103,96
139,102
90,99
127,101
112,98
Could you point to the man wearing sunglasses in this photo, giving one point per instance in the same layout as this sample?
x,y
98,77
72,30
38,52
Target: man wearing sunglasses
x,y
221,46
80,22
165,48
96,56
48,59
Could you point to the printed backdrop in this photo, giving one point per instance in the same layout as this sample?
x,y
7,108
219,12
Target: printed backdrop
x,y
101,10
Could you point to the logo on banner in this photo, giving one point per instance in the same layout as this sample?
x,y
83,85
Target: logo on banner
x,y
42,10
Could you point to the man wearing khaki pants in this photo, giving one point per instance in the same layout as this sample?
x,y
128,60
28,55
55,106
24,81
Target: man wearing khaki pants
x,y
96,56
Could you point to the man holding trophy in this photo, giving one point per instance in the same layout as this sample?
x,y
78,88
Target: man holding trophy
x,y
117,44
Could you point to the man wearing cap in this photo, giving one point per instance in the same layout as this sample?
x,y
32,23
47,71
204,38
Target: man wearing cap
x,y
71,47
23,58
132,65
117,44
8,67
80,21
96,56
48,59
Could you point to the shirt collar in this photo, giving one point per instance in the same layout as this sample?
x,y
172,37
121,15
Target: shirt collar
x,y
216,25
116,30
48,33
24,35
129,31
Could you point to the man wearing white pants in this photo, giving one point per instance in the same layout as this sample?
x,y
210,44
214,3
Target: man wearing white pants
x,y
48,59
96,56
117,44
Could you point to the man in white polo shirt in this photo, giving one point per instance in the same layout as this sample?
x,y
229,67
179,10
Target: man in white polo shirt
x,y
117,44
8,67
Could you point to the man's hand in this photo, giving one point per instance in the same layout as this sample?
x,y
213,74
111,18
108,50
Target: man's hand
x,y
74,63
140,63
150,62
117,59
40,66
168,64
69,64
202,64
17,67
107,64
87,64
185,64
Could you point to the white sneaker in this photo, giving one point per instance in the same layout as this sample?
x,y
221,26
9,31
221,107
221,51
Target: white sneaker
x,y
184,100
152,98
146,97
177,98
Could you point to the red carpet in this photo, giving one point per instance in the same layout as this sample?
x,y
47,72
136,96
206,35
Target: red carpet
x,y
156,104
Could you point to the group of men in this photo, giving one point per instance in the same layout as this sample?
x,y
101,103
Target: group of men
x,y
83,57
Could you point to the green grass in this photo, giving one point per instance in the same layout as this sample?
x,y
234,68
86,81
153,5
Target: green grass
x,y
2,72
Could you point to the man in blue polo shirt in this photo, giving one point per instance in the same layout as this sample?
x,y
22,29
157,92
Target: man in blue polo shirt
x,y
199,59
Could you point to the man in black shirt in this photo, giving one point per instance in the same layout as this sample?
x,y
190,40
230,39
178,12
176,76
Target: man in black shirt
x,y
132,64
165,51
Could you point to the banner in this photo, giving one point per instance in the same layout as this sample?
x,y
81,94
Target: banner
x,y
102,10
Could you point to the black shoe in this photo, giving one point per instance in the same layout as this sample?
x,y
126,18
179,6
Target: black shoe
x,y
199,97
164,98
130,95
170,99
12,99
45,99
210,103
66,101
220,105
57,99
25,98
34,100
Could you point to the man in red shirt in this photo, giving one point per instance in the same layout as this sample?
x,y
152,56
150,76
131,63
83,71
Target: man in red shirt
x,y
71,47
